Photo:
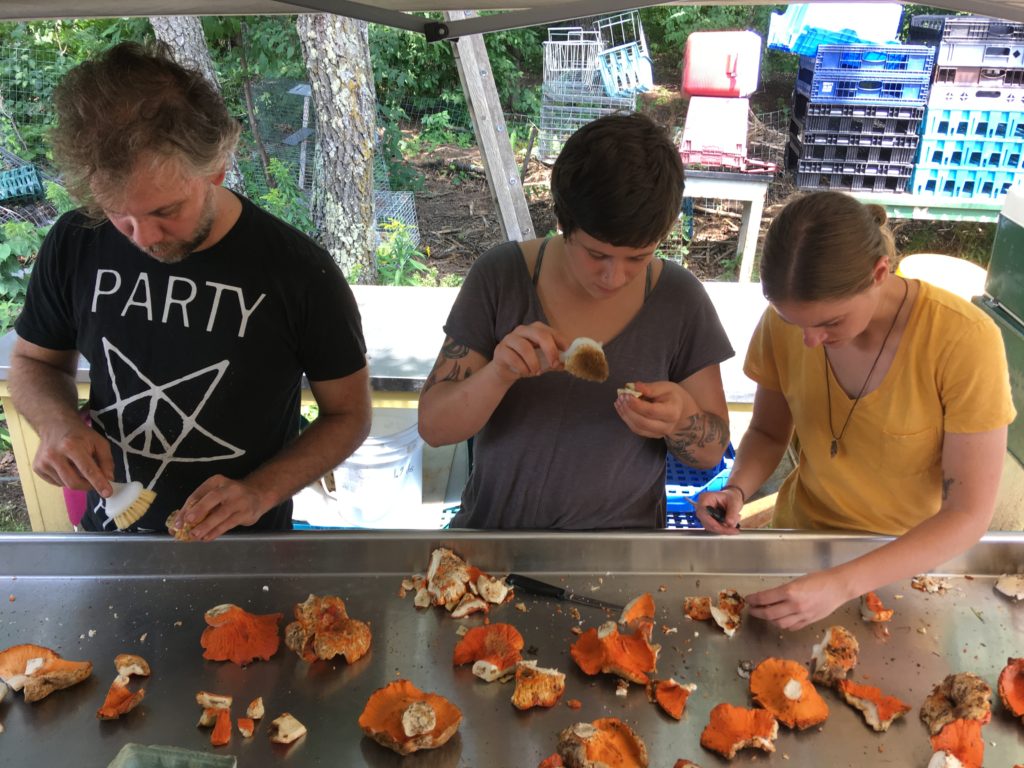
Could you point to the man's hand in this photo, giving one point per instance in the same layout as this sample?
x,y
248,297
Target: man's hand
x,y
218,505
73,455
802,601
729,501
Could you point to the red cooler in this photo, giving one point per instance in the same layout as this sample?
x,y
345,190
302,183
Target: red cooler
x,y
722,64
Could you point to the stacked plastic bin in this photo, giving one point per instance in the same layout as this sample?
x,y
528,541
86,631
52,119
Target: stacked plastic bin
x,y
857,112
972,139
720,71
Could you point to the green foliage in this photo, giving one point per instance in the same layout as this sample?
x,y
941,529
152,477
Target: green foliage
x,y
437,129
408,70
285,200
59,198
33,58
19,244
399,262
392,147
667,28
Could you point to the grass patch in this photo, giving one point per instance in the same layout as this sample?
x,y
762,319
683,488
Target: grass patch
x,y
13,514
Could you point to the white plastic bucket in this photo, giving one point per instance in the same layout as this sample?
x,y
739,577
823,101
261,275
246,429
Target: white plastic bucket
x,y
381,484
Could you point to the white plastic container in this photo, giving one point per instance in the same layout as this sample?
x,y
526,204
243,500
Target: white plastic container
x,y
381,484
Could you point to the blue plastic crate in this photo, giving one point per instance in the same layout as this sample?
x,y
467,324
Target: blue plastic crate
x,y
804,108
895,151
625,70
992,154
853,182
21,183
684,484
973,124
875,58
964,183
850,86
811,39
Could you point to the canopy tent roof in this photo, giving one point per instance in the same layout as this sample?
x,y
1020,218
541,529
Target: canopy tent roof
x,y
392,12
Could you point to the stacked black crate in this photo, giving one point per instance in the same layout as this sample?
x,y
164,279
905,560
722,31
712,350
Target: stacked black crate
x,y
972,142
857,111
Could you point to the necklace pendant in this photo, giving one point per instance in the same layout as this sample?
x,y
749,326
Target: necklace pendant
x,y
834,449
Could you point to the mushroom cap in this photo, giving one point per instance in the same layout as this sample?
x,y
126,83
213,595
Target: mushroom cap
x,y
130,664
120,700
670,695
238,636
962,739
221,734
697,608
1011,686
771,684
732,728
871,609
834,656
322,630
537,686
447,577
962,696
381,718
638,610
879,709
40,671
729,611
604,649
605,743
494,647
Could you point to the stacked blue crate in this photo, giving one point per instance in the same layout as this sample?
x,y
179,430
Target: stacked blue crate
x,y
684,484
857,112
972,137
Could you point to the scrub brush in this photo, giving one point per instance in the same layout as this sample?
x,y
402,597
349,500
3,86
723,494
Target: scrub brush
x,y
585,359
128,503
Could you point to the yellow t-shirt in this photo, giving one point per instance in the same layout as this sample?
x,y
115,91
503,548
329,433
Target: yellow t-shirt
x,y
949,375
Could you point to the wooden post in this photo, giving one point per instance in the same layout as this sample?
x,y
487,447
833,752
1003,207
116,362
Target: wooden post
x,y
491,133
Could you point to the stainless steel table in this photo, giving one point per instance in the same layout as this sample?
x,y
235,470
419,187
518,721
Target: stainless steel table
x,y
94,597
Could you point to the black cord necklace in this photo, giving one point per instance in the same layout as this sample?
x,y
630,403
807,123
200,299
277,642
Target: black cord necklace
x,y
834,449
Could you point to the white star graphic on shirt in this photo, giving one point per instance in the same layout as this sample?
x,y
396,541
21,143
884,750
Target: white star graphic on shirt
x,y
150,439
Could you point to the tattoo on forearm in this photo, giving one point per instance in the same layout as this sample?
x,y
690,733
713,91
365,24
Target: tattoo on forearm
x,y
450,352
947,484
702,430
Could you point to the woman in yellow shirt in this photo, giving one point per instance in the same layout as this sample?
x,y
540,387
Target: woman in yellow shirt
x,y
898,392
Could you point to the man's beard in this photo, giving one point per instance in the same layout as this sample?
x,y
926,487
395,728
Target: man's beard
x,y
179,250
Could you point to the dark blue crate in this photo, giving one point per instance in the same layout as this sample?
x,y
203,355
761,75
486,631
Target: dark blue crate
x,y
837,86
899,149
684,484
853,182
871,59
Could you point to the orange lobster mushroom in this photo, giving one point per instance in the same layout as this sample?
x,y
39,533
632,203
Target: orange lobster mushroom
x,y
670,695
537,686
962,739
871,609
639,613
963,696
1011,687
39,671
236,635
731,729
697,608
782,687
879,710
834,656
120,699
605,649
493,650
322,630
403,718
607,742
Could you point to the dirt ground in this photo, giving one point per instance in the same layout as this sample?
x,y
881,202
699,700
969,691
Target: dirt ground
x,y
457,220
13,512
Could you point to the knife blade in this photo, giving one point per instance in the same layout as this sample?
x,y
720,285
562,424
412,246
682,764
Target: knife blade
x,y
543,589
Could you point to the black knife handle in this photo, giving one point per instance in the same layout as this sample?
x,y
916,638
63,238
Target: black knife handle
x,y
535,587
718,515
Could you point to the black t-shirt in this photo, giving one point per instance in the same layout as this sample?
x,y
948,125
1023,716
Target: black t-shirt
x,y
195,367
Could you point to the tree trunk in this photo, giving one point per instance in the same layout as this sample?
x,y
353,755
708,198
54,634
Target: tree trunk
x,y
184,36
337,54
